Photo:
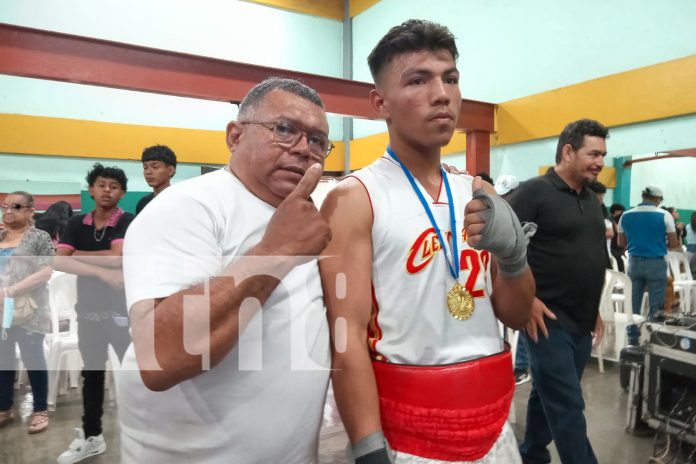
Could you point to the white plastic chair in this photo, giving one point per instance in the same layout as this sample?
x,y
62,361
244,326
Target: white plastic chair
x,y
684,283
61,345
616,310
606,312
21,377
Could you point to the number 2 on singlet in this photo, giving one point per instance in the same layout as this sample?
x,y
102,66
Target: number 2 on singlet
x,y
471,260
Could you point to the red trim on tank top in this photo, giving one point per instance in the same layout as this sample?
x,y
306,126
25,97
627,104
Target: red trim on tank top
x,y
374,331
439,193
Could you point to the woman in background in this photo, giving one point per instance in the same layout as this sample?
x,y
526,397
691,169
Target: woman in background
x,y
690,238
25,267
54,219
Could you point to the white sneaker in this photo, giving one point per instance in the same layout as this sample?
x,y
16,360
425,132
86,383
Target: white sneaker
x,y
81,449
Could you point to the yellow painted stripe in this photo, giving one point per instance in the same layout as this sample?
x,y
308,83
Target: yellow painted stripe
x,y
607,175
40,135
332,9
358,6
456,145
336,160
654,92
365,150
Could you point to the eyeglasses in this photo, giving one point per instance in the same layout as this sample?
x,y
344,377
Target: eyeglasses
x,y
288,135
13,206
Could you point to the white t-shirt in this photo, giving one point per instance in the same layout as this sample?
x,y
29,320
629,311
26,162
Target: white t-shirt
x,y
263,402
690,235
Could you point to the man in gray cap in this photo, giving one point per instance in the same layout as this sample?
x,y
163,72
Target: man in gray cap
x,y
647,230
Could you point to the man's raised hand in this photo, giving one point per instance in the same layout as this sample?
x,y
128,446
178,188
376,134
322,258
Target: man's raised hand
x,y
474,215
492,225
297,228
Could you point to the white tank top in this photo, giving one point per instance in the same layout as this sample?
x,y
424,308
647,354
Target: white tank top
x,y
410,323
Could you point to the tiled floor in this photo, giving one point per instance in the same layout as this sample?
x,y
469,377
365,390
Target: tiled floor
x,y
606,408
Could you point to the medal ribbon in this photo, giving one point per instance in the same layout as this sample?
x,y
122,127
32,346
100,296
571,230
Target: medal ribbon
x,y
452,264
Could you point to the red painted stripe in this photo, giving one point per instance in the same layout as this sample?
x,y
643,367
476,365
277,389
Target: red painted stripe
x,y
42,202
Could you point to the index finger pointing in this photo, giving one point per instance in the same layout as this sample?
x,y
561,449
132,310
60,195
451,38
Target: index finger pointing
x,y
308,183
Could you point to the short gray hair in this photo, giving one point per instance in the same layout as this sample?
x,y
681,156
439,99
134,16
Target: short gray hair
x,y
27,196
259,91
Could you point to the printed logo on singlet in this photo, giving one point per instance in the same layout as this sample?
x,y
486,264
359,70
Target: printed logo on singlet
x,y
423,251
424,248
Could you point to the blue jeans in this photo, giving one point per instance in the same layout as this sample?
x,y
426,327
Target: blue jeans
x,y
650,273
555,407
521,358
31,350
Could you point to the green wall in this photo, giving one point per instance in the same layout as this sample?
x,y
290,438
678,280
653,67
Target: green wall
x,y
127,203
50,175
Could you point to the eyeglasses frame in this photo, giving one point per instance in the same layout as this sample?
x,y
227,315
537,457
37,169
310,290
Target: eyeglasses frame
x,y
271,126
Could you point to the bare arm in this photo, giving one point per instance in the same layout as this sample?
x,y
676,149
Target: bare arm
x,y
621,240
347,210
512,297
673,241
32,281
65,262
158,325
608,233
111,258
295,230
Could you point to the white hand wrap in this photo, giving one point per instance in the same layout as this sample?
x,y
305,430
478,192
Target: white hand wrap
x,y
503,235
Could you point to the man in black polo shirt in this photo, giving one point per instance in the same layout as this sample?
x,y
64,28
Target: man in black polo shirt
x,y
568,257
91,247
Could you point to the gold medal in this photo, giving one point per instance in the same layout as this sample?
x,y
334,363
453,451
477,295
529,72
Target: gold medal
x,y
459,302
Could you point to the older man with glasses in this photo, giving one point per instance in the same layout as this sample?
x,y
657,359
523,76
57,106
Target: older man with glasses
x,y
230,351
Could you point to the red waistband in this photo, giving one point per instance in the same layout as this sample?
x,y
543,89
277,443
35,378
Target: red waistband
x,y
453,412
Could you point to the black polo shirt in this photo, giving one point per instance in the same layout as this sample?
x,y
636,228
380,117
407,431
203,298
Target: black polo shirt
x,y
142,203
568,253
93,294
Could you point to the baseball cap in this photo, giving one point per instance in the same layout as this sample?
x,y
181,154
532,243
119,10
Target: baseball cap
x,y
653,191
505,183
